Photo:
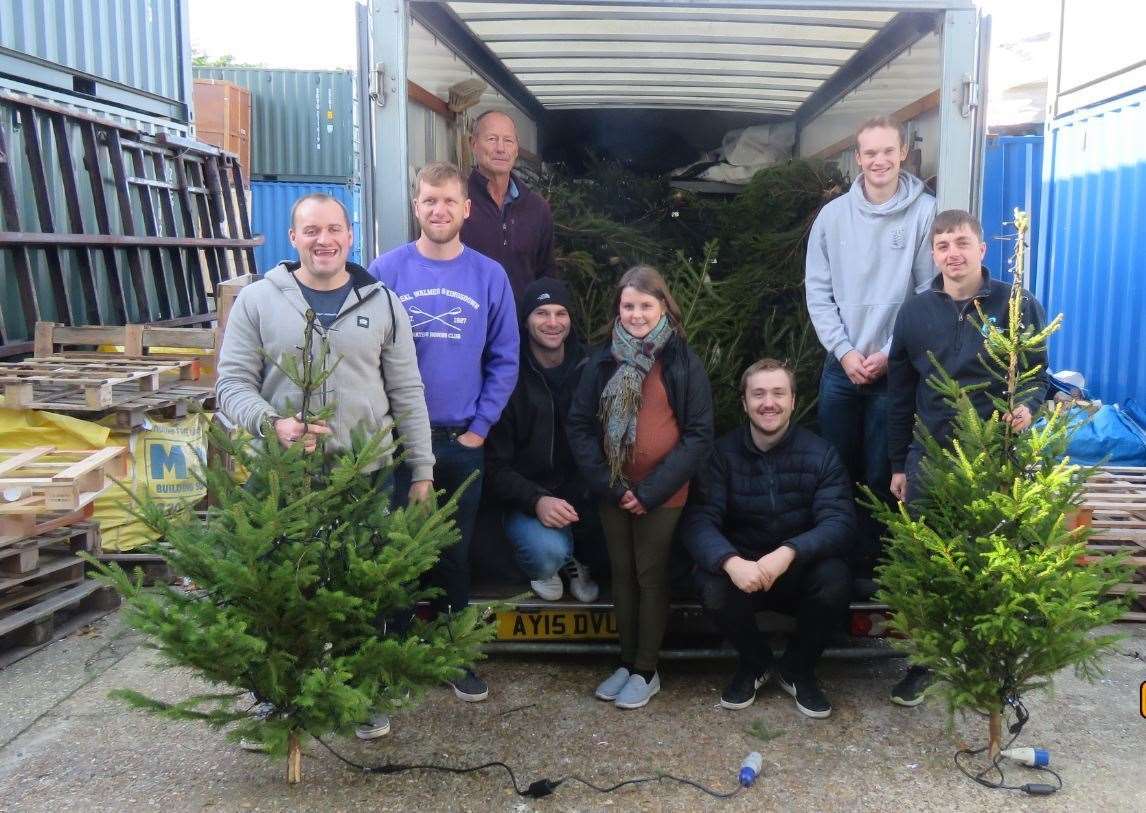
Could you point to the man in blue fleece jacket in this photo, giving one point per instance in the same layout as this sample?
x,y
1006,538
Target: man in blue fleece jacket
x,y
464,321
867,252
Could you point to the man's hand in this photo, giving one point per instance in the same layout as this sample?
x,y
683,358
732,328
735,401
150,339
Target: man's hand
x,y
631,504
744,574
875,365
471,440
1020,419
291,430
554,512
420,491
775,564
853,364
898,486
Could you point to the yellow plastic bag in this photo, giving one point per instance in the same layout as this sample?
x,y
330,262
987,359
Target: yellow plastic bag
x,y
163,460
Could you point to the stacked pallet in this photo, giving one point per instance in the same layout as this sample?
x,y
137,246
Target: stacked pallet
x,y
46,496
1115,507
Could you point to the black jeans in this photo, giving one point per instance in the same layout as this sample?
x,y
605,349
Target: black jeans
x,y
816,593
453,464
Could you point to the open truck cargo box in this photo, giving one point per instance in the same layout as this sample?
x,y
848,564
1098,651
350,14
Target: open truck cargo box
x,y
700,67
588,71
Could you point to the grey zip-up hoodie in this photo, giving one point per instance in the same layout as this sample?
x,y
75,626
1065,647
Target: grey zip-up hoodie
x,y
375,383
863,261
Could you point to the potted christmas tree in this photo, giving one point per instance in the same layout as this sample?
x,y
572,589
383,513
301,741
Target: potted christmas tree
x,y
984,572
292,575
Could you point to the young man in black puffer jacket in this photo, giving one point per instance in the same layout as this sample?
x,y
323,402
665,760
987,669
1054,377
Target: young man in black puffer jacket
x,y
530,470
771,528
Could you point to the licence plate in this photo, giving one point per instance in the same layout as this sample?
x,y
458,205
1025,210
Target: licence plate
x,y
585,625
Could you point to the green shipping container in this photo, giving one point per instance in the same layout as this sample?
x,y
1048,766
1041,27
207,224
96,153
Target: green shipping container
x,y
303,124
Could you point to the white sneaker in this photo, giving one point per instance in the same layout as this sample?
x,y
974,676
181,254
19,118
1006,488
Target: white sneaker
x,y
637,692
550,589
377,726
583,588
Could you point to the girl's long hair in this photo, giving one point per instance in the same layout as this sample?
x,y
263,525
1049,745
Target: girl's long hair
x,y
649,281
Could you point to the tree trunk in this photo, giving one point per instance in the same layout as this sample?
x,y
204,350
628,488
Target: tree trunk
x,y
995,739
294,760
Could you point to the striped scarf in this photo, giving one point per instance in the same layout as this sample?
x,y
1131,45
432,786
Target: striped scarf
x,y
621,397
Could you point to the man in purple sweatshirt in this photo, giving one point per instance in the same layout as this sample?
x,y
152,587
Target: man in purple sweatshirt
x,y
464,321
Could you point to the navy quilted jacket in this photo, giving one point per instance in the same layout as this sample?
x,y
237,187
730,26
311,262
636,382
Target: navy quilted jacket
x,y
750,502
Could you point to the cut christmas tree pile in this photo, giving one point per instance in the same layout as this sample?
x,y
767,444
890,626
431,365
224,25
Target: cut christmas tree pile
x,y
294,575
985,574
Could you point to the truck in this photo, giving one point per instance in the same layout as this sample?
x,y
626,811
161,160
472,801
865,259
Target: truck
x,y
693,68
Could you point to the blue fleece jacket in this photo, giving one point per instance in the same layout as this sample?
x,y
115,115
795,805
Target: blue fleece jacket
x,y
464,319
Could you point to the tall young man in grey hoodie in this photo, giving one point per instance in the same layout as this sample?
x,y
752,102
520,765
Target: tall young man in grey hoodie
x,y
867,252
376,380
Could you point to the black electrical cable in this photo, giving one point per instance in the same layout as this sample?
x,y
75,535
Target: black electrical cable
x,y
1032,788
535,790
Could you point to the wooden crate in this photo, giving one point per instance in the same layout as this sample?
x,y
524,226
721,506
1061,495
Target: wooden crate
x,y
1115,508
66,480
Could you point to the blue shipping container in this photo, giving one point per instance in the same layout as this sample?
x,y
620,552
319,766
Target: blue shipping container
x,y
1012,179
271,202
1093,245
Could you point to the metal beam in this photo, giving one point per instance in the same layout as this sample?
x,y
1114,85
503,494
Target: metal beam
x,y
826,5
901,33
508,56
701,105
445,25
526,73
666,16
657,83
667,93
385,103
673,39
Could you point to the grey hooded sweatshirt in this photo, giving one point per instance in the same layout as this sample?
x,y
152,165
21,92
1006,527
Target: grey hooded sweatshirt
x,y
863,261
375,383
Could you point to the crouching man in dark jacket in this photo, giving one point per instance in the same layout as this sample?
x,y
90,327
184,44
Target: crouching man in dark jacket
x,y
771,529
529,467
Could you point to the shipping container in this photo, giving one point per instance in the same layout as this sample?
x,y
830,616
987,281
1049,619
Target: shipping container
x,y
302,122
223,118
133,54
1012,179
1093,245
270,206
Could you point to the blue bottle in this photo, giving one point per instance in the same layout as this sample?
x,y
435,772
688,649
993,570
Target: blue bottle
x,y
750,769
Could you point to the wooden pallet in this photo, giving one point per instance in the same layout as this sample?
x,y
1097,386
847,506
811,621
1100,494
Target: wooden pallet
x,y
52,382
22,556
24,631
54,573
154,567
65,479
28,517
1115,508
132,408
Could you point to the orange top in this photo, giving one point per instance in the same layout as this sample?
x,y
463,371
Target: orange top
x,y
657,434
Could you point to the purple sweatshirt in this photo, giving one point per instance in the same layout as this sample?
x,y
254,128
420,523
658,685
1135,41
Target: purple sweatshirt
x,y
465,332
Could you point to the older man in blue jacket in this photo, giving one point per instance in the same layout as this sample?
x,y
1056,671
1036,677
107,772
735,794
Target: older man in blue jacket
x,y
771,528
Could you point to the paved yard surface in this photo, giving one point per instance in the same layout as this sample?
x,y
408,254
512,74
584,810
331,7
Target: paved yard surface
x,y
65,746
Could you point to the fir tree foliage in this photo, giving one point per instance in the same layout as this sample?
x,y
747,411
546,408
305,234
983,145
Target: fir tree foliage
x,y
292,574
984,572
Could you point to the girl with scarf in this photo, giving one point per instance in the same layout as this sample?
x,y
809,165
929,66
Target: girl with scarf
x,y
640,426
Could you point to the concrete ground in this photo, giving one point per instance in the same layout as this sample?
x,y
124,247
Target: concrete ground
x,y
65,746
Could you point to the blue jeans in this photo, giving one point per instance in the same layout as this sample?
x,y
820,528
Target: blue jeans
x,y
540,551
853,418
453,464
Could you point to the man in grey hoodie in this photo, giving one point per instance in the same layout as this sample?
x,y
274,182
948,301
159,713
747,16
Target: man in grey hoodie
x,y
868,251
368,331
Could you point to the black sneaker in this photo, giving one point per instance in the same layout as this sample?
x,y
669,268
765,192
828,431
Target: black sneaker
x,y
470,688
909,690
741,692
809,699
